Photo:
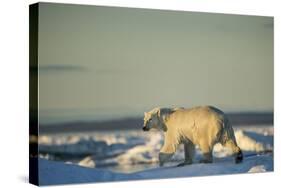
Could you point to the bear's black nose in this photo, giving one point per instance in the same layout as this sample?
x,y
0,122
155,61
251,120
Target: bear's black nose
x,y
144,129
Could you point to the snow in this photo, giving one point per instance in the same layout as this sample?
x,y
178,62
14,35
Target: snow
x,y
87,162
133,155
259,168
51,172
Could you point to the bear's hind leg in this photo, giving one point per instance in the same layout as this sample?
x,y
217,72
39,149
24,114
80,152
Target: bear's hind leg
x,y
188,154
235,149
208,157
207,152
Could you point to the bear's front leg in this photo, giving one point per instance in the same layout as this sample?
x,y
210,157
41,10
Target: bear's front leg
x,y
164,157
188,153
168,149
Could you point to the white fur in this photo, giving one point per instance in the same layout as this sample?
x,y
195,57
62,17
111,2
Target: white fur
x,y
203,126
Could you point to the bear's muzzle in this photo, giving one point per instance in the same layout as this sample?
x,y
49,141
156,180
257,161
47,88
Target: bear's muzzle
x,y
145,129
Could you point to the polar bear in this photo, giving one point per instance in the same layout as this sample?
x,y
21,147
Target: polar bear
x,y
203,126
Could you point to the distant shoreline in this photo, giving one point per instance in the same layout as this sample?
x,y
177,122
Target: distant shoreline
x,y
136,123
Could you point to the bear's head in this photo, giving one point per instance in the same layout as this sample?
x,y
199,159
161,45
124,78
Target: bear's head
x,y
156,118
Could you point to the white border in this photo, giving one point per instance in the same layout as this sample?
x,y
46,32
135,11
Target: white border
x,y
14,89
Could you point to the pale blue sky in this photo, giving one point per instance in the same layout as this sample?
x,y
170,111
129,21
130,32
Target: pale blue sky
x,y
104,62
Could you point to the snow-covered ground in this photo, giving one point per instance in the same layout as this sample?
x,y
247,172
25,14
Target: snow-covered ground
x,y
133,155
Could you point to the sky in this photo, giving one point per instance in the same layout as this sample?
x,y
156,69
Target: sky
x,y
98,63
